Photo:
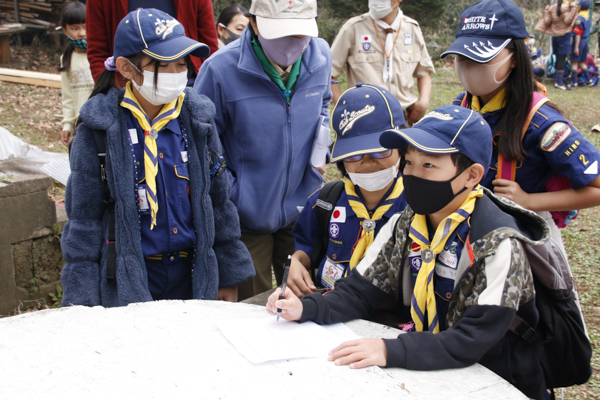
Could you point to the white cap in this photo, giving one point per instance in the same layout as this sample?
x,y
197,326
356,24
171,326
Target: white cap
x,y
279,18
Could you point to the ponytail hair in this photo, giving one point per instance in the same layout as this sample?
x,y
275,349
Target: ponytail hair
x,y
73,13
518,95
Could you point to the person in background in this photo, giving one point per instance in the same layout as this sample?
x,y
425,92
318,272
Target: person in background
x,y
371,195
231,24
271,90
535,54
386,48
580,48
103,17
176,233
75,77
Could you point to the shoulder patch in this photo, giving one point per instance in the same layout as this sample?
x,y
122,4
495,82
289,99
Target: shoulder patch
x,y
554,136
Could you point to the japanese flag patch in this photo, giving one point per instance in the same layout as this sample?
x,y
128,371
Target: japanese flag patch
x,y
366,38
554,136
338,215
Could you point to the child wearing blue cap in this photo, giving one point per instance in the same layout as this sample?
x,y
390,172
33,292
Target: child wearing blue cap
x,y
453,260
149,210
368,195
540,160
580,48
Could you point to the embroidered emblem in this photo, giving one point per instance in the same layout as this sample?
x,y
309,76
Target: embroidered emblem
x,y
592,169
554,136
438,115
164,27
334,231
349,118
366,46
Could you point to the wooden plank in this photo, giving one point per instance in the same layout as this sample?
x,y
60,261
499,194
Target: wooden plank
x,y
30,77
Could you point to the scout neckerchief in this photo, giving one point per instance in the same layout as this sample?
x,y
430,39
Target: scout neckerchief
x,y
495,104
275,77
423,300
151,128
390,43
368,225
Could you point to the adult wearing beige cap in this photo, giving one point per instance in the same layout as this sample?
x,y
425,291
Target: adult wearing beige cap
x,y
386,48
271,90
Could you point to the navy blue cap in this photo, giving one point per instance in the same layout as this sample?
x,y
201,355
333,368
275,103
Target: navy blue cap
x,y
447,130
584,4
156,34
361,114
486,28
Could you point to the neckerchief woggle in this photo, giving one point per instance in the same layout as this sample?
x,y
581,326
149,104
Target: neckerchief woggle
x,y
151,128
423,299
366,238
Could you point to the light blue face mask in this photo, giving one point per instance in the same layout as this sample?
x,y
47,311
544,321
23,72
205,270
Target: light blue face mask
x,y
81,44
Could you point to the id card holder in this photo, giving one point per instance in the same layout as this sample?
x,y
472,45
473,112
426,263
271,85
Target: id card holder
x,y
331,273
144,207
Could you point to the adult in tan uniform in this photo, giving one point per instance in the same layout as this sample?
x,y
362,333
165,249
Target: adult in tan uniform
x,y
360,44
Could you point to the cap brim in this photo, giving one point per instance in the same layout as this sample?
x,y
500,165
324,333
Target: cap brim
x,y
354,146
173,50
479,49
418,138
274,28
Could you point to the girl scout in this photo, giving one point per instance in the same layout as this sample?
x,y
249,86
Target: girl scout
x,y
372,193
176,234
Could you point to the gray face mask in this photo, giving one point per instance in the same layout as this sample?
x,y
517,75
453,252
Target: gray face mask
x,y
230,35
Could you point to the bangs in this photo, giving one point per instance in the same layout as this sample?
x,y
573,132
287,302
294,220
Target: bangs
x,y
73,13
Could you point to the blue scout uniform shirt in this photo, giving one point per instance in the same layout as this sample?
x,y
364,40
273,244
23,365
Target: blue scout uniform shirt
x,y
446,265
552,145
344,228
584,24
174,230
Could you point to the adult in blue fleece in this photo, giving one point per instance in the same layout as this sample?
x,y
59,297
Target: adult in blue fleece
x,y
221,260
267,139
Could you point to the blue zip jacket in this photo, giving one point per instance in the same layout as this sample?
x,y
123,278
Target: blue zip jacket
x,y
267,141
220,258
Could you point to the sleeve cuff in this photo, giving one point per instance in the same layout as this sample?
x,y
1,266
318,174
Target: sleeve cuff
x,y
396,352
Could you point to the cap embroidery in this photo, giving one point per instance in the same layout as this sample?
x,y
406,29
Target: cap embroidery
x,y
349,118
479,23
165,27
438,115
488,50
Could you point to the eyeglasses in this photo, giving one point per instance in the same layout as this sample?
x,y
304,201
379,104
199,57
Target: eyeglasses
x,y
378,156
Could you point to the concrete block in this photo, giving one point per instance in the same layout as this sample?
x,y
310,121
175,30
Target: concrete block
x,y
24,184
25,216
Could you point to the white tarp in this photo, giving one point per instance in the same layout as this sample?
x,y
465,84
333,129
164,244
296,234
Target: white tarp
x,y
20,158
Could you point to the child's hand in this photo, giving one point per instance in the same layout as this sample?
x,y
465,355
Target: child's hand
x,y
512,191
299,280
228,294
64,137
291,306
360,353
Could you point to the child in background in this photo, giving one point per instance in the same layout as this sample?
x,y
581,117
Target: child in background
x,y
580,47
540,160
453,259
372,190
176,234
75,74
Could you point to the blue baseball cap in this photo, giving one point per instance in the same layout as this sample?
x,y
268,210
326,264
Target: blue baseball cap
x,y
360,116
447,130
157,35
486,28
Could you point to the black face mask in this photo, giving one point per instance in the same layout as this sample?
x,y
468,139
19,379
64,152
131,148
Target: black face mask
x,y
428,197
230,37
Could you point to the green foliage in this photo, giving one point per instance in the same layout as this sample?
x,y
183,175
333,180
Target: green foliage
x,y
57,298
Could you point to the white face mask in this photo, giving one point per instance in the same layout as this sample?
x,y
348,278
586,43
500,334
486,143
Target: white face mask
x,y
480,79
375,180
379,8
168,87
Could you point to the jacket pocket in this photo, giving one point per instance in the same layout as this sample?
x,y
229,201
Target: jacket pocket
x,y
183,189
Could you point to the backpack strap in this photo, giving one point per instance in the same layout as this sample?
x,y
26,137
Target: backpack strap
x,y
507,169
328,198
111,253
522,329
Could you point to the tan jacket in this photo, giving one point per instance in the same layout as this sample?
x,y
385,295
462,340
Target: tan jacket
x,y
358,48
555,25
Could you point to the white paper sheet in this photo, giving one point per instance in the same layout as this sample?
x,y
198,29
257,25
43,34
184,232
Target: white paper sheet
x,y
267,339
320,145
